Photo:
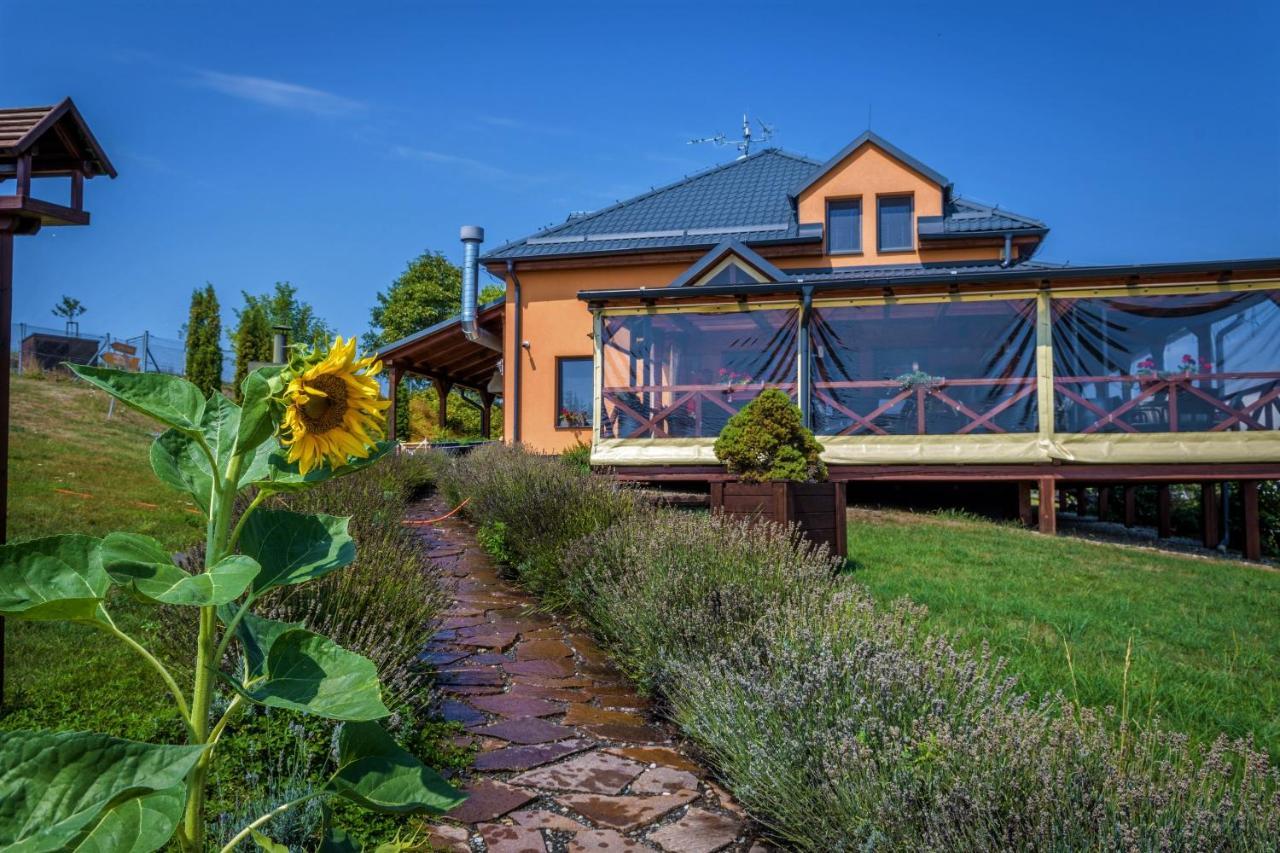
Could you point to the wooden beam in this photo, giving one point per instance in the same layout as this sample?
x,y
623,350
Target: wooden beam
x,y
1026,513
443,387
77,191
1164,519
24,176
1252,533
486,413
1048,506
1130,506
1104,503
1209,515
395,374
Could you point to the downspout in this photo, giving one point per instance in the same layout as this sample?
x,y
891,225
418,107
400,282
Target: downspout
x,y
1006,257
472,237
517,360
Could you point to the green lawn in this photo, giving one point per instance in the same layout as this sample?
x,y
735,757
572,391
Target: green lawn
x,y
1205,633
64,676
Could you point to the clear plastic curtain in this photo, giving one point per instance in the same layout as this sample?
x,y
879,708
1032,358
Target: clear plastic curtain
x,y
1179,363
683,375
947,368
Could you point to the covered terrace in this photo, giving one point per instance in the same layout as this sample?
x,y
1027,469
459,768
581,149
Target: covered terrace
x,y
451,361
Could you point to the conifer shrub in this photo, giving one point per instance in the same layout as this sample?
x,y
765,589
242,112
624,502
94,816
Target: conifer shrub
x,y
767,442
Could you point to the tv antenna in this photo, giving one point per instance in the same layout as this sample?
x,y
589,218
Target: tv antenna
x,y
744,144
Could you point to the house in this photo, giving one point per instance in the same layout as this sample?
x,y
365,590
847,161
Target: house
x,y
914,327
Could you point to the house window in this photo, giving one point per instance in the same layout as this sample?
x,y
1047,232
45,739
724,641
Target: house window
x,y
894,226
844,226
573,392
732,274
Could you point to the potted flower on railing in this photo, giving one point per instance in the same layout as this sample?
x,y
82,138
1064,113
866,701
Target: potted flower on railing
x,y
1147,373
779,475
1190,365
730,378
918,378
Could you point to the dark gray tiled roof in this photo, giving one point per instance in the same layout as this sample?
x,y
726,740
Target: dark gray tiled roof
x,y
745,200
910,271
748,200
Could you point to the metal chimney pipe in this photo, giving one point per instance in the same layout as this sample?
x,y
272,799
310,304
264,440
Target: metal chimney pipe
x,y
472,237
279,343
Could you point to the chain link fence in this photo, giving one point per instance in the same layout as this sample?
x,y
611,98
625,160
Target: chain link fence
x,y
42,348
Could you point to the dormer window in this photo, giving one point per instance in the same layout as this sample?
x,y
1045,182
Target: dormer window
x,y
894,223
844,226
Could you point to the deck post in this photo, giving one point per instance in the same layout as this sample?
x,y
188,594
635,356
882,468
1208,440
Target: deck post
x,y
1025,513
394,386
486,413
1209,515
443,388
1048,506
1164,522
1252,535
1130,506
1104,502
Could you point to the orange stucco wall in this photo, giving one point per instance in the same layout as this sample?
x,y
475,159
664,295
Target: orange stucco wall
x,y
556,323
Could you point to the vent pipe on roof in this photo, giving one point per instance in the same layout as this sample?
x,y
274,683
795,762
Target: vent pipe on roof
x,y
472,237
1006,257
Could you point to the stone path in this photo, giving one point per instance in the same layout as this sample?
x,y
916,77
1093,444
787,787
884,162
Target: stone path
x,y
569,758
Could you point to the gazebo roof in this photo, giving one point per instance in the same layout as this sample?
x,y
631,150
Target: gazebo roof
x,y
57,139
444,352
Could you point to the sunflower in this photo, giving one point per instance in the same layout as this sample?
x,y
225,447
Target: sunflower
x,y
332,408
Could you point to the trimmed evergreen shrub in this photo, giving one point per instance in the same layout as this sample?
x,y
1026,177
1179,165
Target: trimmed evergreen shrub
x,y
767,441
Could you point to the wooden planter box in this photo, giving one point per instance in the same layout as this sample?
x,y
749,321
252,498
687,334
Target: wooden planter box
x,y
818,508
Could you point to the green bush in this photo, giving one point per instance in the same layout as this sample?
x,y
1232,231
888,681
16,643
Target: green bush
x,y
768,441
578,456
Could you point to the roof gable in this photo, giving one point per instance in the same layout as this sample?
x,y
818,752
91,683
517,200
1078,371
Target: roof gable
x,y
56,136
729,251
869,138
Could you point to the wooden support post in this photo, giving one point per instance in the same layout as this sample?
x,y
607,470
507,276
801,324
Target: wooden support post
x,y
391,412
1025,514
442,402
1252,535
7,229
1082,500
77,190
486,413
1104,502
1130,506
1209,512
1164,521
1048,506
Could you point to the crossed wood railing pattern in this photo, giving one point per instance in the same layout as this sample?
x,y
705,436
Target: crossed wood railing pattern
x,y
827,392
1151,386
685,400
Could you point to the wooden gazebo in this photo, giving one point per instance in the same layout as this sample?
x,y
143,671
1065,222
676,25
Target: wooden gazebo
x,y
36,143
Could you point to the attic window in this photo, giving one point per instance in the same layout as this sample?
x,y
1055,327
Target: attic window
x,y
732,274
894,225
844,226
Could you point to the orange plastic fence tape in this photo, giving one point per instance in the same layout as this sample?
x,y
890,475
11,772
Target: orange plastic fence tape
x,y
416,522
73,494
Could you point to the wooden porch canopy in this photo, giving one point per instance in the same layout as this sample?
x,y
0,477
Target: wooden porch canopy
x,y
443,354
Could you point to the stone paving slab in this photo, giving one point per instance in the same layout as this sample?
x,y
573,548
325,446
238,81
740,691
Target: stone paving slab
x,y
569,757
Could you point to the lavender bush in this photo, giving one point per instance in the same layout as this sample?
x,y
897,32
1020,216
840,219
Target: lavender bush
x,y
838,724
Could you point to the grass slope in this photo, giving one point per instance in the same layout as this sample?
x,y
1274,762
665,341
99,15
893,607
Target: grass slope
x,y
61,439
1206,633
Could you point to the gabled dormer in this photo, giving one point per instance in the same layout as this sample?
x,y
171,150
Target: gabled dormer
x,y
729,263
876,204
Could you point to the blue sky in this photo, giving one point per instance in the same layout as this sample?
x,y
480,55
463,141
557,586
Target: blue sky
x,y
328,143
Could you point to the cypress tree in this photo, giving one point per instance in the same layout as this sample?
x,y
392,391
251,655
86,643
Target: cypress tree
x,y
204,336
252,340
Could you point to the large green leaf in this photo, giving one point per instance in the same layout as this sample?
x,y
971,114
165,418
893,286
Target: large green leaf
x,y
169,399
306,672
140,825
280,475
58,577
179,461
374,772
258,418
267,845
256,636
143,565
294,548
54,785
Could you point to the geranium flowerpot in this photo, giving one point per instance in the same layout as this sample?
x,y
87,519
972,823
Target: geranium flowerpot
x,y
817,508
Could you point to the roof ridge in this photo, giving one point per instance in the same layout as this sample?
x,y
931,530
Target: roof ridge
x,y
687,179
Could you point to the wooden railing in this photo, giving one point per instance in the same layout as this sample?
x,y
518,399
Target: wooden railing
x,y
1162,396
656,419
1021,388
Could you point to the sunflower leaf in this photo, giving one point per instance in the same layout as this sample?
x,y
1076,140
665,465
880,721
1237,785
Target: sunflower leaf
x,y
140,825
54,578
267,845
169,399
258,416
282,475
54,785
143,565
376,773
303,671
294,548
179,462
256,635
